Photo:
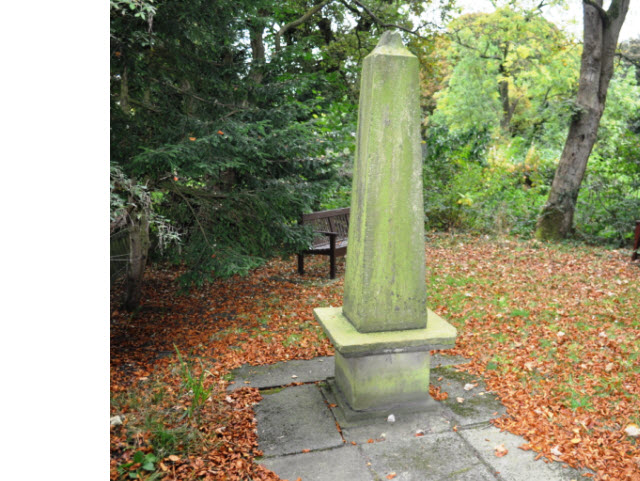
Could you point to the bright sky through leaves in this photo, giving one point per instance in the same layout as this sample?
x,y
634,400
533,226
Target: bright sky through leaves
x,y
568,17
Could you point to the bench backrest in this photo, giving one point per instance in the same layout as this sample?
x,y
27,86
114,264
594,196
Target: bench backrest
x,y
335,220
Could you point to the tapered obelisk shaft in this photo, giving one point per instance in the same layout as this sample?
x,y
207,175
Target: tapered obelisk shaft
x,y
385,273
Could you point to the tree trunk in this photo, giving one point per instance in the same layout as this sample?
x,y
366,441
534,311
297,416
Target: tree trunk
x,y
601,30
256,72
124,92
503,89
138,252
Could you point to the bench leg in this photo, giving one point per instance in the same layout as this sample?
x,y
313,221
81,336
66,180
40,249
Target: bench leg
x,y
300,264
332,266
332,257
636,242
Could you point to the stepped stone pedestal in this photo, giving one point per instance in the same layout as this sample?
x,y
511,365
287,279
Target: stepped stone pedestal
x,y
384,331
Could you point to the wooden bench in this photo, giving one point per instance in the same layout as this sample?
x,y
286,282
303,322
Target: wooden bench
x,y
330,228
636,242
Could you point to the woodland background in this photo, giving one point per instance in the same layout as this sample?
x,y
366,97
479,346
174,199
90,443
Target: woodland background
x,y
230,118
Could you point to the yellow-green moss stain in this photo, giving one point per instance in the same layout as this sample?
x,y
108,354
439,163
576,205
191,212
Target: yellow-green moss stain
x,y
385,273
372,382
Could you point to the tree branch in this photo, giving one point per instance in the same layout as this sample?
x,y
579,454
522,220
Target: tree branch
x,y
632,60
384,24
299,21
456,38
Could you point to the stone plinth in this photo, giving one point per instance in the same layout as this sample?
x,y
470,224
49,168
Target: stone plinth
x,y
384,370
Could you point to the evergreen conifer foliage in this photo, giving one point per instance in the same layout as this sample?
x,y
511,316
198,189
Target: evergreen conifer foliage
x,y
230,159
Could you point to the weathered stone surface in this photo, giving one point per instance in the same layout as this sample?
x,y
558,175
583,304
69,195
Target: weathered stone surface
x,y
281,373
385,271
516,465
478,405
334,464
435,419
294,419
439,359
331,465
383,381
438,334
437,457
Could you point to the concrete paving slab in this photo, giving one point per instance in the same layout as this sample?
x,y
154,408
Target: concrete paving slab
x,y
438,457
294,419
348,417
406,425
281,373
344,463
478,406
516,465
439,359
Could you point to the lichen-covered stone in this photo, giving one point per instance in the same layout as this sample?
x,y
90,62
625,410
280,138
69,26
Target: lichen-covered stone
x,y
385,273
438,334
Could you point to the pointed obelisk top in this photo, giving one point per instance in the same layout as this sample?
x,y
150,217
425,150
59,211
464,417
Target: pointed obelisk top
x,y
391,44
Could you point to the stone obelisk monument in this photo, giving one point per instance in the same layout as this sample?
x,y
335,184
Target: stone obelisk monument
x,y
384,332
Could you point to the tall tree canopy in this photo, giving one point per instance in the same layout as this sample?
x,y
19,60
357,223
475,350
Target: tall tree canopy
x,y
231,117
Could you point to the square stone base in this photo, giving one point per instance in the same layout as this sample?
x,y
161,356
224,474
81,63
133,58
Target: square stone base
x,y
384,370
383,381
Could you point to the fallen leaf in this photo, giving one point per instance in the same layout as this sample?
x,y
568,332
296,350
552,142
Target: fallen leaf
x,y
391,475
460,399
500,451
469,386
306,450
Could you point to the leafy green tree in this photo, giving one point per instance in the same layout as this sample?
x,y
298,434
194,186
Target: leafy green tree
x,y
510,68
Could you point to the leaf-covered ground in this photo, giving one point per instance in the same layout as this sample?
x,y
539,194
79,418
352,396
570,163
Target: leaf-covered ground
x,y
554,330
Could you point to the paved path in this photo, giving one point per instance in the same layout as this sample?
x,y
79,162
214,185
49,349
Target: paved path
x,y
300,437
